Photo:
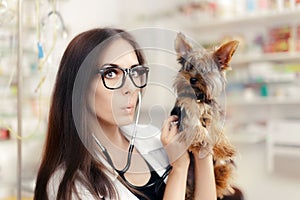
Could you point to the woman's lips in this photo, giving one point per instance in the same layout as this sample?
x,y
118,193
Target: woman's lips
x,y
130,106
129,109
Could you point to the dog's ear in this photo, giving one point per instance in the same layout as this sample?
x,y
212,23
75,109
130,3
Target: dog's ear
x,y
182,46
223,54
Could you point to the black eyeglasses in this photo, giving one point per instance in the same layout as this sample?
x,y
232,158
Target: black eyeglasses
x,y
114,77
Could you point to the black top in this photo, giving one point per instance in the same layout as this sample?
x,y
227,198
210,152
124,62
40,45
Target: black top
x,y
154,189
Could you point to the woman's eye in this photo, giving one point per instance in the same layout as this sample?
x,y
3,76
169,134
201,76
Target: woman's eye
x,y
134,73
139,71
110,73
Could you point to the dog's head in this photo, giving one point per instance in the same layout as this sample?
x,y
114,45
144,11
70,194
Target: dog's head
x,y
204,70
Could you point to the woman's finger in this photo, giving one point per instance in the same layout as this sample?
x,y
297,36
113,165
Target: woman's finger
x,y
169,130
177,152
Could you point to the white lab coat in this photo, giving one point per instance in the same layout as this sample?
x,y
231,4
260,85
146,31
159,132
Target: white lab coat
x,y
148,144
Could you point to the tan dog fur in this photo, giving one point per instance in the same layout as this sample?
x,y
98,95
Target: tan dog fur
x,y
200,80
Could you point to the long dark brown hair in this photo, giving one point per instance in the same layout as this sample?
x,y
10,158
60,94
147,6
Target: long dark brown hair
x,y
64,146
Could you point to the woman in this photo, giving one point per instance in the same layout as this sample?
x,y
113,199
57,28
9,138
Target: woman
x,y
97,92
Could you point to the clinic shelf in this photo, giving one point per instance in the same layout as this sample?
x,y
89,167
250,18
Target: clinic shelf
x,y
246,19
262,101
267,57
245,137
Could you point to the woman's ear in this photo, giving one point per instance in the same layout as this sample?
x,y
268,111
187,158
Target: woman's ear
x,y
223,54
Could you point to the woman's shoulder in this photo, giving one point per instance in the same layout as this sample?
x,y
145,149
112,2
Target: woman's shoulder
x,y
55,180
83,193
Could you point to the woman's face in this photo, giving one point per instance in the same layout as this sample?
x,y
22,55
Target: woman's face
x,y
115,107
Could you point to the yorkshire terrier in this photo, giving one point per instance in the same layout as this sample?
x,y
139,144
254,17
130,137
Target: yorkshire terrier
x,y
198,83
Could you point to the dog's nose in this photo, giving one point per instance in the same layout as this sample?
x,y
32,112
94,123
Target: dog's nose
x,y
193,81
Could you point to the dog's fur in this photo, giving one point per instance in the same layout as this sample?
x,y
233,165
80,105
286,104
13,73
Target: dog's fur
x,y
198,83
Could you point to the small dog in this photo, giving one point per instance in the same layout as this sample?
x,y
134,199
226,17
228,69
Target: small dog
x,y
198,83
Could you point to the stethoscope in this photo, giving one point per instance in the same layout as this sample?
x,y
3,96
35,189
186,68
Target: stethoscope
x,y
121,172
131,144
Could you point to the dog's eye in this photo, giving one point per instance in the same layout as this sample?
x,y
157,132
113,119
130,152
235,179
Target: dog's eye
x,y
193,80
189,67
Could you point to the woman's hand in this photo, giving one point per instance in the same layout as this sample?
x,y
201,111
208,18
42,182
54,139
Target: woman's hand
x,y
205,188
179,159
177,152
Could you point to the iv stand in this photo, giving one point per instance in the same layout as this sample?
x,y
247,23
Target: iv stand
x,y
19,101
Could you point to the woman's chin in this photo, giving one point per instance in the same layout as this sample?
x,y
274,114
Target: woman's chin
x,y
125,121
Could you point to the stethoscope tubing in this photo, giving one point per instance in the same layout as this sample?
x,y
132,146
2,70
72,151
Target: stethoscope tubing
x,y
130,150
131,144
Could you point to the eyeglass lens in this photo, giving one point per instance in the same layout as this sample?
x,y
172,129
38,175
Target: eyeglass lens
x,y
114,77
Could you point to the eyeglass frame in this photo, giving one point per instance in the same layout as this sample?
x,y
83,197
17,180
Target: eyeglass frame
x,y
126,71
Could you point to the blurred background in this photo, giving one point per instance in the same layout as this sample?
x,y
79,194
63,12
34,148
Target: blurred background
x,y
262,98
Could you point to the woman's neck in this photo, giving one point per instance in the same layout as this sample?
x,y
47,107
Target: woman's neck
x,y
115,143
113,134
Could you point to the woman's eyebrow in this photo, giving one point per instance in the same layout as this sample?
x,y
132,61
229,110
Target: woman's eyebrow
x,y
116,65
108,65
132,66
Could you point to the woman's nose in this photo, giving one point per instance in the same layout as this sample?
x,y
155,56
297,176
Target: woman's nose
x,y
128,86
